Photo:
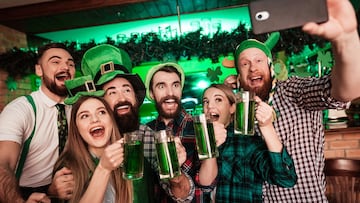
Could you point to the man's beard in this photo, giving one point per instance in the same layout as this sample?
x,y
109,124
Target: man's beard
x,y
262,92
127,122
51,85
162,112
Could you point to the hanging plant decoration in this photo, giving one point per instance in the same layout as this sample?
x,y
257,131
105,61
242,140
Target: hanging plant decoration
x,y
18,62
151,46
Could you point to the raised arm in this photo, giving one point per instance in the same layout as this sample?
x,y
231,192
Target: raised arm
x,y
182,186
265,116
209,168
110,160
341,31
279,168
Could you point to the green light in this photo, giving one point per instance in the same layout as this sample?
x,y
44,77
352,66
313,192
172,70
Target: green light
x,y
202,84
167,27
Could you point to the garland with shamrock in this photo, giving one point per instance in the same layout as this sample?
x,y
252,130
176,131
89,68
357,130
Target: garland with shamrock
x,y
19,63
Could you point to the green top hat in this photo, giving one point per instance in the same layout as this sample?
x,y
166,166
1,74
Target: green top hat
x,y
156,68
81,86
105,62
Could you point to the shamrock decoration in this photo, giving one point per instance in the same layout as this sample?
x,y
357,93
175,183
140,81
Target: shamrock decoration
x,y
214,74
11,83
325,58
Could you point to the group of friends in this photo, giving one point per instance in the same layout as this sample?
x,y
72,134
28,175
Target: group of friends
x,y
283,162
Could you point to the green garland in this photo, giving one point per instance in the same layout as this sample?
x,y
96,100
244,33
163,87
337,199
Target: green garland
x,y
19,63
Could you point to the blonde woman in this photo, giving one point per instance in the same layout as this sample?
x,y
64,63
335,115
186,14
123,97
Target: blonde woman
x,y
245,162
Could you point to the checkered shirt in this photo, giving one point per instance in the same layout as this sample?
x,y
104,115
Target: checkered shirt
x,y
183,127
150,155
299,103
245,163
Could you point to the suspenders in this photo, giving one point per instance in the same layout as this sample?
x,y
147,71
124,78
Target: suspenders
x,y
27,142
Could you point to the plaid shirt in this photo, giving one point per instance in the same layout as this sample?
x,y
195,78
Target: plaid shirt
x,y
299,103
245,163
182,126
150,181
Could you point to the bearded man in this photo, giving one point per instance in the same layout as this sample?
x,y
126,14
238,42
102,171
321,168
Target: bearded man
x,y
36,125
111,69
164,84
299,102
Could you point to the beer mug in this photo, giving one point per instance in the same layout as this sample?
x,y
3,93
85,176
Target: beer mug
x,y
167,156
133,156
245,113
205,137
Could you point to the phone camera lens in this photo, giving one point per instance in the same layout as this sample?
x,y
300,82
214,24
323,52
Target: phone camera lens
x,y
263,15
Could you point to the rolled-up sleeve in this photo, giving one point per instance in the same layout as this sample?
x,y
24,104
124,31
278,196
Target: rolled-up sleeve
x,y
283,169
166,186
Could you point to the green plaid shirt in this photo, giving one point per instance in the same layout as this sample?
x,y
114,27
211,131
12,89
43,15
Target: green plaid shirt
x,y
245,163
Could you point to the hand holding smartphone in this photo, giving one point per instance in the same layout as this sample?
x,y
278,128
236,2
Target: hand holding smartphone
x,y
274,15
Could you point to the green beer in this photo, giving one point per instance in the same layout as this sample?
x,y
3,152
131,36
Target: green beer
x,y
205,140
168,160
245,118
133,160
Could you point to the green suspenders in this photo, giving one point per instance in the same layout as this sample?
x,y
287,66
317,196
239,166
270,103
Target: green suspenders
x,y
26,146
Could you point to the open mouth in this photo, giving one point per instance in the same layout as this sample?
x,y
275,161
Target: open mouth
x,y
256,80
63,76
97,131
170,103
123,109
214,116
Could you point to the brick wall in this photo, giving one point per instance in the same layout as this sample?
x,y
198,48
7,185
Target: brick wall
x,y
23,86
343,143
10,38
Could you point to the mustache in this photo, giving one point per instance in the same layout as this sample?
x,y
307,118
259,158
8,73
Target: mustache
x,y
63,73
122,104
162,100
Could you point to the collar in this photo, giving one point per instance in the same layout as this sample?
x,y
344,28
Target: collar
x,y
177,124
48,102
177,120
51,103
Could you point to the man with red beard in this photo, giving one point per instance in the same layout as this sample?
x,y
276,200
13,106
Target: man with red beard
x,y
125,92
18,121
165,82
299,101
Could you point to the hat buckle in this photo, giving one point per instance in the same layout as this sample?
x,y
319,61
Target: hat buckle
x,y
90,86
107,67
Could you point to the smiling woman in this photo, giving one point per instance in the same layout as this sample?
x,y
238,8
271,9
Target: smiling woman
x,y
244,160
90,163
94,146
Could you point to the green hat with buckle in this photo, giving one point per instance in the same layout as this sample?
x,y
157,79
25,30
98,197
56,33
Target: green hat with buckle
x,y
155,69
81,86
105,62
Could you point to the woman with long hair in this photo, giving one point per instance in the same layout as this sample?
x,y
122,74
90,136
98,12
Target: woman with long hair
x,y
94,154
245,162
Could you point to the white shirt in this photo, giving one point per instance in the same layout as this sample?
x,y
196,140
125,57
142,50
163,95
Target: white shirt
x,y
16,124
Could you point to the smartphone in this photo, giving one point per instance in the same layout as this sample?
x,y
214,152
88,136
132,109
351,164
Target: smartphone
x,y
274,15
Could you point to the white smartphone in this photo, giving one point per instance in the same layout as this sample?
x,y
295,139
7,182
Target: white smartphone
x,y
274,15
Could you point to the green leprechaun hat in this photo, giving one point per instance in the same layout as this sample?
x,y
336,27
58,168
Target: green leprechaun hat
x,y
155,69
105,62
266,47
81,86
